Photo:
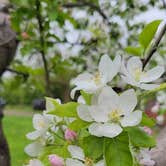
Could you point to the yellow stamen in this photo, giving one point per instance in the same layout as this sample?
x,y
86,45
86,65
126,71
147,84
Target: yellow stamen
x,y
115,115
88,162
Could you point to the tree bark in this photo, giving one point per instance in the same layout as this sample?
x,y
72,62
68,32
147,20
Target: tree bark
x,y
4,150
8,45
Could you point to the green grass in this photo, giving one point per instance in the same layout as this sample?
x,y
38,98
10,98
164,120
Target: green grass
x,y
25,108
15,129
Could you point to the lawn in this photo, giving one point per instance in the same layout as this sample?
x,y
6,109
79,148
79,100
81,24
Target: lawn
x,y
15,128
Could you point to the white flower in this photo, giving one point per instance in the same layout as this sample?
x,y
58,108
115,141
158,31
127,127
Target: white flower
x,y
67,50
41,124
133,74
35,162
34,149
145,158
56,30
111,112
160,119
106,72
79,158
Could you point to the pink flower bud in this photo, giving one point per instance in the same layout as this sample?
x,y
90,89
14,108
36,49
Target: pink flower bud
x,y
148,130
56,160
70,135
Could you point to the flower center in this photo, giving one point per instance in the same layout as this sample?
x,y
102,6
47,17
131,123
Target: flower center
x,y
42,124
137,74
88,162
115,115
97,78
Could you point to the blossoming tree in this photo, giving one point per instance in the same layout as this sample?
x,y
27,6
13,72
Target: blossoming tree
x,y
104,127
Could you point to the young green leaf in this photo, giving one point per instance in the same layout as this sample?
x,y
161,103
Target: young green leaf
x,y
146,121
139,138
93,147
117,151
137,51
65,110
148,33
87,97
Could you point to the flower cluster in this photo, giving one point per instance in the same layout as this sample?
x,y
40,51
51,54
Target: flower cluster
x,y
85,133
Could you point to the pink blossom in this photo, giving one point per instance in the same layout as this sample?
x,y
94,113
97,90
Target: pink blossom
x,y
148,130
147,162
70,135
56,160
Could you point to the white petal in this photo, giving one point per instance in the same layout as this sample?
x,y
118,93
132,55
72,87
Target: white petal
x,y
152,74
95,129
83,113
110,130
34,135
132,119
73,36
76,152
148,86
128,101
39,122
85,82
35,162
72,162
108,68
133,64
81,77
106,130
34,149
108,97
100,163
99,113
129,80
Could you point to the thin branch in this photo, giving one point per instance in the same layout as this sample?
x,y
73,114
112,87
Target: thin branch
x,y
42,44
25,75
155,43
87,4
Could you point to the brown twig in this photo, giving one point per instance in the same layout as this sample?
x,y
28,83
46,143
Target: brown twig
x,y
87,4
155,44
42,44
25,75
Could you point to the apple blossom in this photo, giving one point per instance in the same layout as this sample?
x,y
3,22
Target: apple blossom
x,y
35,162
79,158
148,130
56,160
41,124
111,112
145,158
133,74
35,148
107,70
70,135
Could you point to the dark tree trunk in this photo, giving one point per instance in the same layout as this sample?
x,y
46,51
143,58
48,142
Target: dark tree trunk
x,y
4,150
8,45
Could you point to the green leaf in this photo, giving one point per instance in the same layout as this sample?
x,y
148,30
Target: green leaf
x,y
78,124
148,33
139,138
146,121
117,152
90,143
66,110
87,97
137,51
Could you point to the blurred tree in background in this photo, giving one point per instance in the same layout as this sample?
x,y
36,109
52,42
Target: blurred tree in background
x,y
59,39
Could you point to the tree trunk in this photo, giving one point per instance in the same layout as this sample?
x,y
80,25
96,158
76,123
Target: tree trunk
x,y
8,45
4,150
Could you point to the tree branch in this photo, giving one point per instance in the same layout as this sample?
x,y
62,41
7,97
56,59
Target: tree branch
x,y
42,44
87,4
155,43
25,75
